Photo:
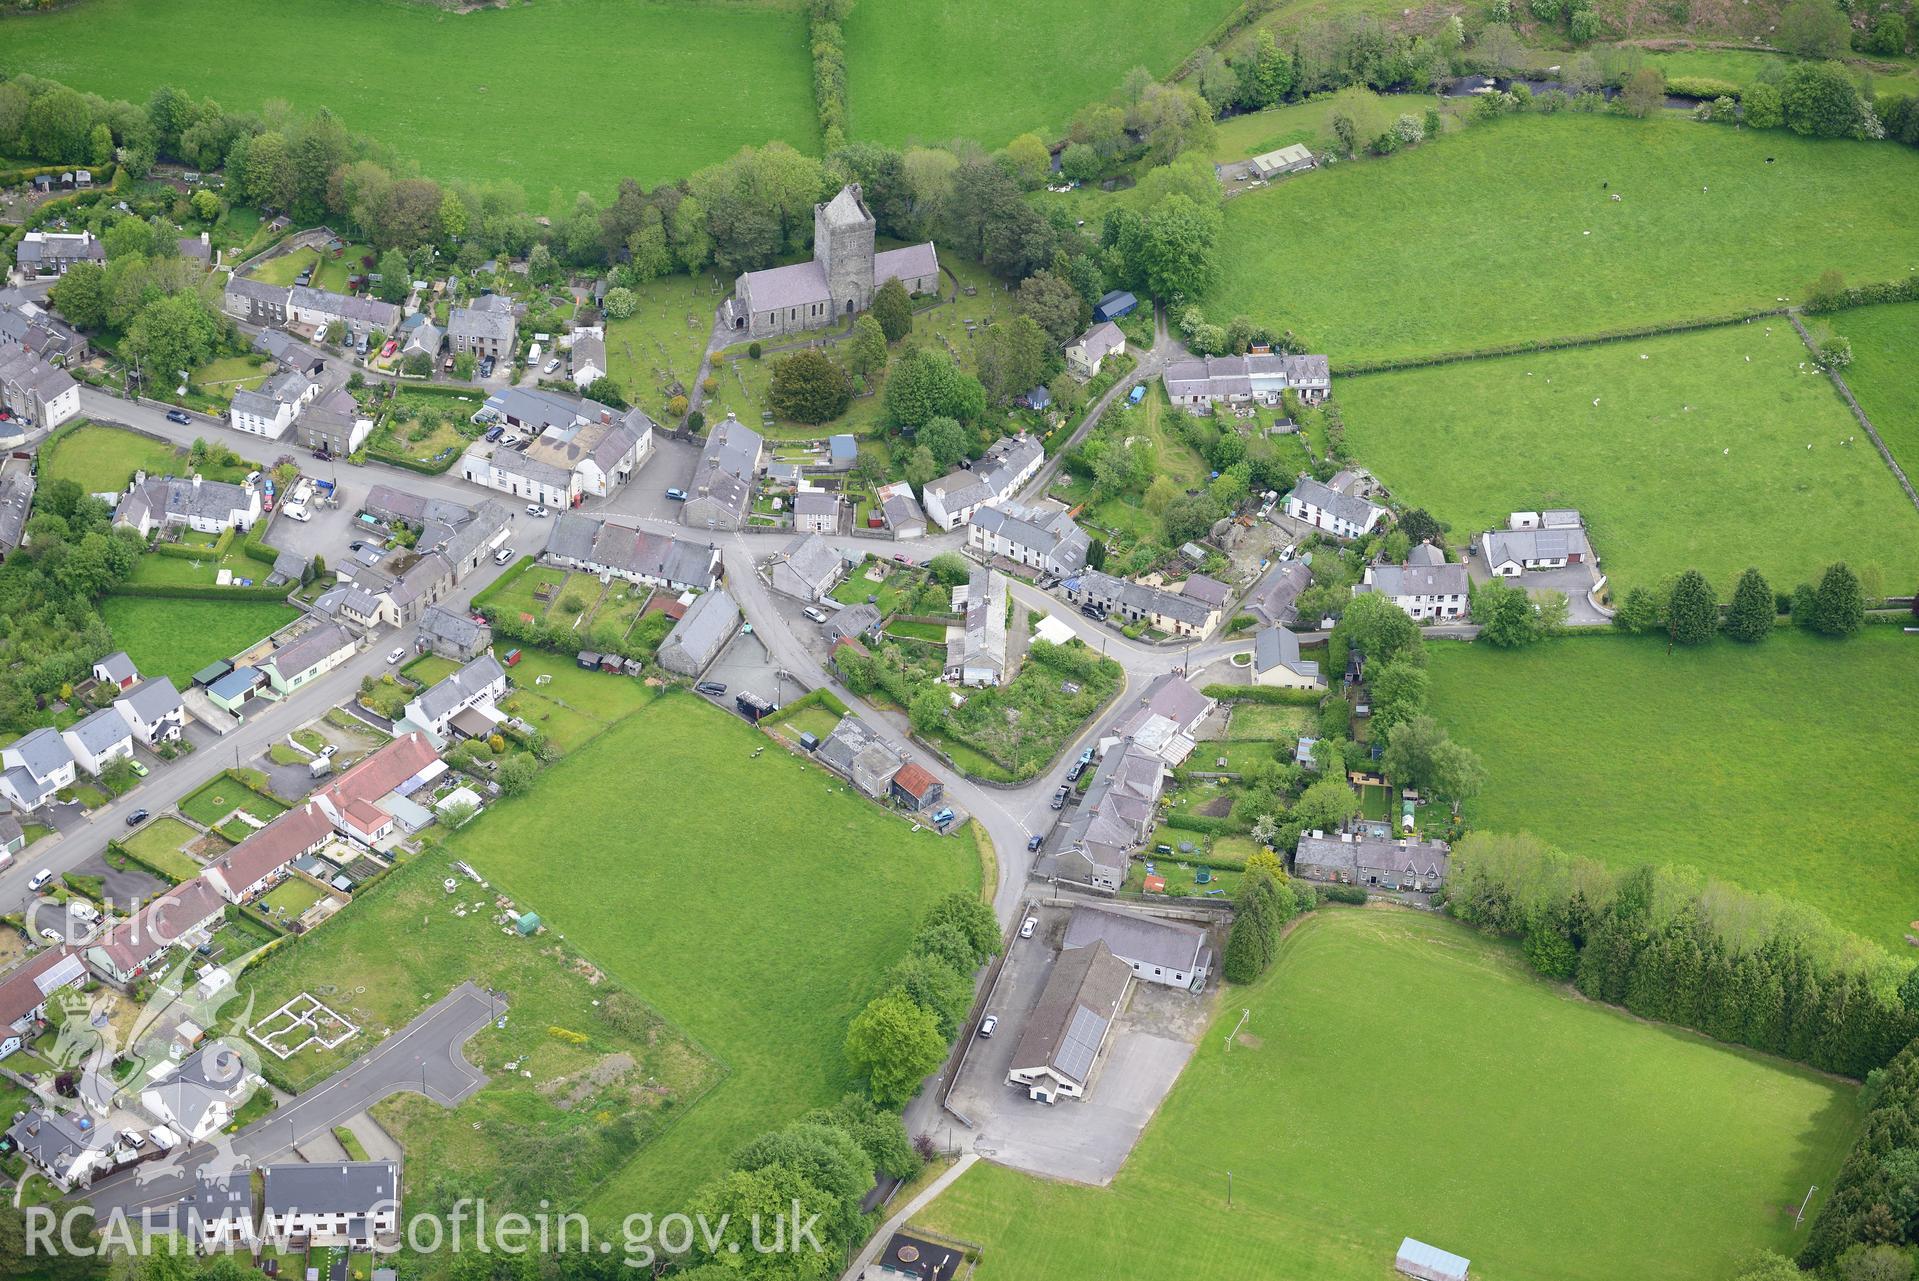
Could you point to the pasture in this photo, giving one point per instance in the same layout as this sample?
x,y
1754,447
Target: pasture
x,y
1507,232
987,70
1491,1115
689,83
1881,377
156,635
1693,457
1786,766
757,927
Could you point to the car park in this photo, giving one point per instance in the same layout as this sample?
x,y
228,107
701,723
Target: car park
x,y
138,817
178,416
39,880
1027,926
399,652
988,1024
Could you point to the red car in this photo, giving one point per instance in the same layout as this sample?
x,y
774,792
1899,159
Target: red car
x,y
389,349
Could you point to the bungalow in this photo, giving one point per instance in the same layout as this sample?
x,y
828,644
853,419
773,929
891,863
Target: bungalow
x,y
1349,858
271,410
915,787
117,671
200,1096
313,654
1262,378
976,646
453,635
181,915
702,632
34,767
806,568
60,1146
1277,664
39,394
817,511
347,1203
1427,587
50,253
1174,613
852,623
25,989
1045,537
99,740
1325,507
353,799
1165,721
611,547
481,683
1535,540
1084,356
900,510
1068,1029
259,860
206,506
1164,952
1006,465
854,751
231,692
722,487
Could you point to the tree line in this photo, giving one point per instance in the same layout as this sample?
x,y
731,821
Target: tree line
x,y
1684,607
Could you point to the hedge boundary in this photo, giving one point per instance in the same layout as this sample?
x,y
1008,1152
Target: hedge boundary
x,y
188,591
1265,694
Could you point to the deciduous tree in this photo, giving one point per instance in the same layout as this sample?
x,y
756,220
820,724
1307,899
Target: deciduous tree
x,y
894,1045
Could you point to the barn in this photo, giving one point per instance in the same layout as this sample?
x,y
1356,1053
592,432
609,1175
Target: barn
x,y
1429,1262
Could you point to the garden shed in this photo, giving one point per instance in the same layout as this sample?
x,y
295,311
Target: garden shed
x,y
527,923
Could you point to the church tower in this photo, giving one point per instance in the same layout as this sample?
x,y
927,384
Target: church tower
x,y
843,246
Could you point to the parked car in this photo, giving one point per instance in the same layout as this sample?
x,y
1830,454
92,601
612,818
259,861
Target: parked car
x,y
714,688
502,556
534,509
988,1024
1136,395
1059,797
179,416
942,816
1093,612
399,652
486,367
1034,841
1027,926
138,817
389,349
677,495
139,770
815,613
494,432
39,880
902,558
551,365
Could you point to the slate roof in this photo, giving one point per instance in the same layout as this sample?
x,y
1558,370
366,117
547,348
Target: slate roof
x,y
1354,511
183,499
1076,1007
477,322
462,687
117,667
852,622
1209,591
696,639
1051,534
1416,580
799,284
1271,600
910,262
1526,545
101,731
811,558
341,1187
902,510
588,350
1278,647
815,502
366,311
16,504
1118,807
1146,940
152,699
628,550
457,630
1101,340
1360,855
301,653
42,752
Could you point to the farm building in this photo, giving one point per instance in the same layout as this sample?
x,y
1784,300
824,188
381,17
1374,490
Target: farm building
x,y
1286,160
1429,1262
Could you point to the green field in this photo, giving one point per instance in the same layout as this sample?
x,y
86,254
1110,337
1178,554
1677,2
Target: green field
x,y
987,70
1481,237
1743,67
758,928
1400,1076
1881,377
1693,458
1783,767
156,636
486,96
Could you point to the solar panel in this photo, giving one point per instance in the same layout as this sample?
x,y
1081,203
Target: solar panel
x,y
1080,1044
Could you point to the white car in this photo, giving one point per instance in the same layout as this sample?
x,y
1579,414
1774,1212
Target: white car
x,y
534,509
39,881
551,365
399,652
816,614
502,556
988,1024
1028,926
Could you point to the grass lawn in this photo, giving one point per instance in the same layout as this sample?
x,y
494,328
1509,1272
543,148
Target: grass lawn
x,y
330,272
515,592
1883,340
658,348
485,119
1480,238
1541,1139
1786,766
574,704
896,587
817,721
103,459
760,937
220,796
221,378
1268,720
156,633
430,669
289,898
988,70
1726,483
158,845
1240,756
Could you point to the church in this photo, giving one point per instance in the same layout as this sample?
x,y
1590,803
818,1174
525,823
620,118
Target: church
x,y
838,282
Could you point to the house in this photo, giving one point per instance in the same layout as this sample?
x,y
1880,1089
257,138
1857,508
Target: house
x,y
403,586
1174,613
480,683
216,1213
976,645
345,1203
1277,664
915,787
1069,1027
816,511
1429,1262
166,502
50,253
354,801
580,447
1165,720
908,1258
68,1150
1275,164
256,862
842,451
1325,507
271,410
27,324
486,328
41,395
1006,465
16,505
307,656
860,755
1045,538
1085,354
1114,816
1272,599
1532,540
1165,952
1261,378
900,510
180,915
152,710
837,282
851,623
1114,305
423,339
1352,858
13,837
722,489
470,540
116,671
806,568
334,424
255,301
99,740
1426,586
200,1096
452,635
702,632
610,547
289,567
230,692
34,767
322,308
25,989
589,360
